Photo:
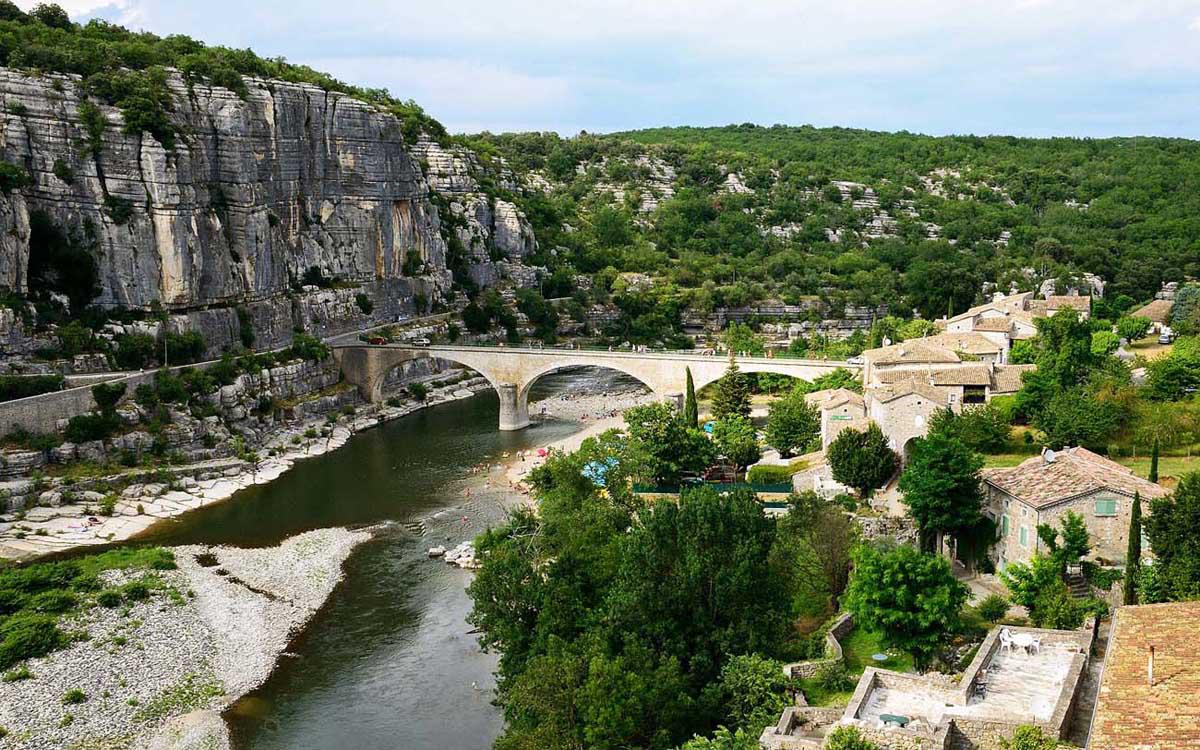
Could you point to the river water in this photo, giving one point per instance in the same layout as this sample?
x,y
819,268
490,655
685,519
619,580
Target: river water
x,y
389,662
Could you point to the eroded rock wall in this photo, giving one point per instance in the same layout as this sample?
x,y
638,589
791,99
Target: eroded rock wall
x,y
254,193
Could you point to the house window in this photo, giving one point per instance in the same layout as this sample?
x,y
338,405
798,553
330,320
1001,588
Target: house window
x,y
1106,507
1024,536
974,394
1004,525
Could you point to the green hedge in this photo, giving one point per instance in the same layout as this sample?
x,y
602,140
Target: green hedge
x,y
770,474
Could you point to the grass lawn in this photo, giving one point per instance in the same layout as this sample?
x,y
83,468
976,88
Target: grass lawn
x,y
1149,347
857,648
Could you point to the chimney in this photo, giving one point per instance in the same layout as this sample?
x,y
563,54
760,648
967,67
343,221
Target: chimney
x,y
1150,668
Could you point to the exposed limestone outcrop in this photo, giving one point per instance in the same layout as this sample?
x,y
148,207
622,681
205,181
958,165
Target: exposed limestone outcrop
x,y
256,192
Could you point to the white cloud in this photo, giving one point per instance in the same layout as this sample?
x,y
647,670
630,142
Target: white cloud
x,y
940,64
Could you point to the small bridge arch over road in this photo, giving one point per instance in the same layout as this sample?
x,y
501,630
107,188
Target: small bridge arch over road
x,y
512,370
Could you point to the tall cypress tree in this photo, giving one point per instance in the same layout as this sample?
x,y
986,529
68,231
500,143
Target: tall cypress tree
x,y
691,411
1154,462
733,393
1133,553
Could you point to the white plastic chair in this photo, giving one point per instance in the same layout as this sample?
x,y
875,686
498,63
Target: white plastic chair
x,y
1005,640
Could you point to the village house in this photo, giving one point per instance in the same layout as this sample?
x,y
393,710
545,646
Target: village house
x,y
1011,318
1149,695
1158,312
1043,489
905,383
839,408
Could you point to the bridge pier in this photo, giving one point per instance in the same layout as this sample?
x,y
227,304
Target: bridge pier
x,y
514,407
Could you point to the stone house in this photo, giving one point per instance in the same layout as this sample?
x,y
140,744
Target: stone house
x,y
943,351
904,400
1010,318
1158,312
1043,489
840,408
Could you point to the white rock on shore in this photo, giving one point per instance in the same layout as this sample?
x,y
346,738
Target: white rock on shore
x,y
143,666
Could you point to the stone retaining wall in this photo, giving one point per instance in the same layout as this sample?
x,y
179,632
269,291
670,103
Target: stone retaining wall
x,y
833,646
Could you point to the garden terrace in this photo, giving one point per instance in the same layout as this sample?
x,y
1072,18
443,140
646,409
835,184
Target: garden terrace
x,y
999,691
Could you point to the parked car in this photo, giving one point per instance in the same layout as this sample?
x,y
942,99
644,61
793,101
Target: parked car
x,y
1166,338
856,360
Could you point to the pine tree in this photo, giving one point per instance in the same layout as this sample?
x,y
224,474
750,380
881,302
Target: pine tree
x,y
733,394
1154,462
691,412
1133,553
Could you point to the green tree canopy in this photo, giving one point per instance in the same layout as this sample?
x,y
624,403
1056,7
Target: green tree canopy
x,y
941,486
733,393
664,444
737,440
793,424
910,597
862,459
1171,529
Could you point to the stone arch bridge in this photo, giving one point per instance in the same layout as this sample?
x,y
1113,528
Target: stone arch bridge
x,y
513,370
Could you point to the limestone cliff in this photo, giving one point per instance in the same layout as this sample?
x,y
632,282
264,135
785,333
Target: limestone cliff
x,y
256,192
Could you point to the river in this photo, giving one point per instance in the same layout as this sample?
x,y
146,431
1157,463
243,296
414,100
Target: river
x,y
390,661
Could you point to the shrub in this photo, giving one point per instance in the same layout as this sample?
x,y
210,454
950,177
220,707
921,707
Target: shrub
x,y
12,177
16,675
308,347
848,738
419,391
88,427
136,591
364,303
63,171
26,636
17,386
246,333
120,210
992,608
107,395
184,348
135,351
834,677
74,696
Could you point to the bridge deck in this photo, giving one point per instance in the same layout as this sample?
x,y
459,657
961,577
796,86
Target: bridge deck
x,y
675,355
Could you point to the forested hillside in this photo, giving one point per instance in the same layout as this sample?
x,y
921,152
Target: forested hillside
x,y
727,216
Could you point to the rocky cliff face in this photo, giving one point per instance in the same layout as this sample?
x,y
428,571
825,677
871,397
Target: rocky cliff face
x,y
255,193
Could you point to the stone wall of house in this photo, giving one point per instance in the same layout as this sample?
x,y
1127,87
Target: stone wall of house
x,y
1008,547
1109,534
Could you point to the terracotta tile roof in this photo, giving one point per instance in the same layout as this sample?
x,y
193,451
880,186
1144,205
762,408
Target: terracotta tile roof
x,y
1075,302
969,342
834,397
969,375
908,352
1007,378
887,393
1131,712
1000,324
1073,472
1158,311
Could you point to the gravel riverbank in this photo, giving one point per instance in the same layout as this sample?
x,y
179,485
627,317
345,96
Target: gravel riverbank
x,y
210,635
75,521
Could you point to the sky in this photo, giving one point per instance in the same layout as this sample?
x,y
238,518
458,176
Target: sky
x,y
1019,67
